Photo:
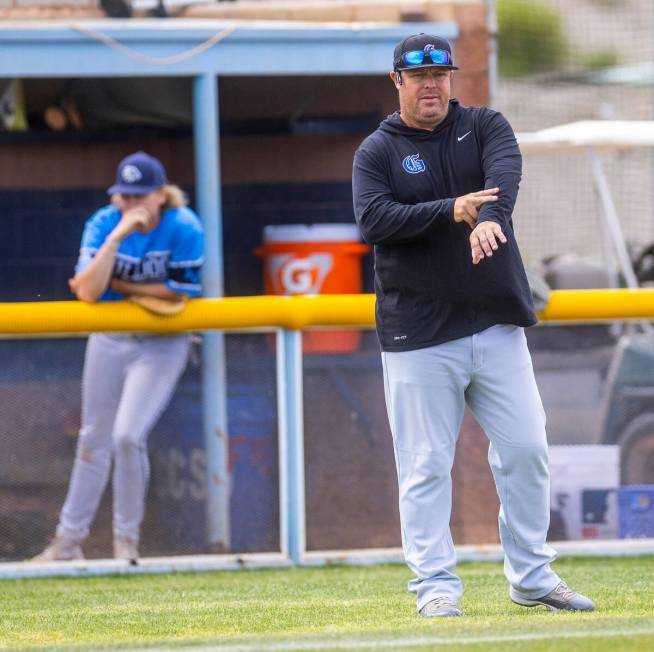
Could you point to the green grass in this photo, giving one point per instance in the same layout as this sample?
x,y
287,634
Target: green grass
x,y
335,608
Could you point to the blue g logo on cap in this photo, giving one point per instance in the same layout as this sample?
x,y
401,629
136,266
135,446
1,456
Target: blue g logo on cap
x,y
138,174
413,164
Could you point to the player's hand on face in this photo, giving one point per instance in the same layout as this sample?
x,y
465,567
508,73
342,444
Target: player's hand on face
x,y
466,207
483,240
142,212
135,218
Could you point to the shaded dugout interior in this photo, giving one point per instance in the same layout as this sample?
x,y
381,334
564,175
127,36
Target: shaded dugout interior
x,y
286,151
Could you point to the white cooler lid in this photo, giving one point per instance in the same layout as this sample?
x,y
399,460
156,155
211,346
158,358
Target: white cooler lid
x,y
311,233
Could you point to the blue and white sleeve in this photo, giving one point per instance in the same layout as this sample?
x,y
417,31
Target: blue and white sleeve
x,y
186,260
96,230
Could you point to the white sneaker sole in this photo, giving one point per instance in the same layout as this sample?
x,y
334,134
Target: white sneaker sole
x,y
524,602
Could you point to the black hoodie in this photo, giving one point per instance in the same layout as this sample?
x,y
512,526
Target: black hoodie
x,y
405,182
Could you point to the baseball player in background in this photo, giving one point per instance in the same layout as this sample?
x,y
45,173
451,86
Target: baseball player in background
x,y
148,247
434,189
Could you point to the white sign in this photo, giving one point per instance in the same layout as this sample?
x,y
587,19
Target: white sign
x,y
583,484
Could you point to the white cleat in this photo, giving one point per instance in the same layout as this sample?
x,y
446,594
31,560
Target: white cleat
x,y
61,549
127,549
440,607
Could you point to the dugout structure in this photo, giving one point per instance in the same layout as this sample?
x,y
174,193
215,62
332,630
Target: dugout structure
x,y
205,56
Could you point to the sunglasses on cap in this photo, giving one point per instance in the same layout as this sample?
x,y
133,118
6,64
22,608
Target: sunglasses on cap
x,y
417,57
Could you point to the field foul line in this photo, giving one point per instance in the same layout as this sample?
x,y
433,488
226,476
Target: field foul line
x,y
326,644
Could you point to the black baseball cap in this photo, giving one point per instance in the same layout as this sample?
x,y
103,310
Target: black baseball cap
x,y
424,43
138,174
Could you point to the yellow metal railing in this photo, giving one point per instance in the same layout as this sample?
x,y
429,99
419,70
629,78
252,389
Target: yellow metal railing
x,y
599,305
286,312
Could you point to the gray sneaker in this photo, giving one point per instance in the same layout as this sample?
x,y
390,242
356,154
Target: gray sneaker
x,y
442,606
561,598
61,549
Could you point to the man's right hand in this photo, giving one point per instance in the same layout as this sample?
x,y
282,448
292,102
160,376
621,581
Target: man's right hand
x,y
466,207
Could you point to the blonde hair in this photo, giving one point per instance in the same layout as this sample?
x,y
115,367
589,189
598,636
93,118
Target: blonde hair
x,y
175,197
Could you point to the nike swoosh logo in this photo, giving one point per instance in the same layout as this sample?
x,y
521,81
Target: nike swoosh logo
x,y
460,138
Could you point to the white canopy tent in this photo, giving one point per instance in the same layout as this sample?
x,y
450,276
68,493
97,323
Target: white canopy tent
x,y
598,134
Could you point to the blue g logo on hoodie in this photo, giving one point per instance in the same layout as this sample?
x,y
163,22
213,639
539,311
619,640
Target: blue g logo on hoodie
x,y
413,164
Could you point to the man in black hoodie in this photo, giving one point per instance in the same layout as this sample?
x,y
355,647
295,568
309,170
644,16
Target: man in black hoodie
x,y
434,190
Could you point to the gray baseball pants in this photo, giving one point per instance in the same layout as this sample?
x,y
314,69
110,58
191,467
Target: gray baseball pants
x,y
425,392
127,383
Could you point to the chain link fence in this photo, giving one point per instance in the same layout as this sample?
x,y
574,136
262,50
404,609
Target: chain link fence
x,y
564,61
40,394
593,60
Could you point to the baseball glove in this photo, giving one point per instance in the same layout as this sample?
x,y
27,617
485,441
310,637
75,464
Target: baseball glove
x,y
157,305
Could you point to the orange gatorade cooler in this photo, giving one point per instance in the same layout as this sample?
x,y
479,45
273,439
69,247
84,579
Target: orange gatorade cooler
x,y
315,259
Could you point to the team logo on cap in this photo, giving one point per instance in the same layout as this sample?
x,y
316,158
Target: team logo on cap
x,y
413,164
131,174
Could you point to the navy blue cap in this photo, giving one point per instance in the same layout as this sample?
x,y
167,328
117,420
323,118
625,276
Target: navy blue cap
x,y
424,42
138,174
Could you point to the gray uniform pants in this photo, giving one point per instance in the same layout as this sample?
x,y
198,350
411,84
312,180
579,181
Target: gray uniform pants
x,y
127,383
425,392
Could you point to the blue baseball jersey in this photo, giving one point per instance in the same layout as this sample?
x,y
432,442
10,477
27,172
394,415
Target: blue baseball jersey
x,y
171,254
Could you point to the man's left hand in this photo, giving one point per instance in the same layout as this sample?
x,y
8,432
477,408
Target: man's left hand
x,y
483,240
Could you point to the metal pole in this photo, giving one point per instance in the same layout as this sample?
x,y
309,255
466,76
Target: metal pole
x,y
611,219
608,250
207,178
291,445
